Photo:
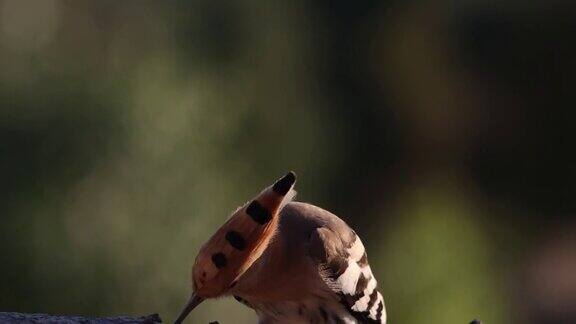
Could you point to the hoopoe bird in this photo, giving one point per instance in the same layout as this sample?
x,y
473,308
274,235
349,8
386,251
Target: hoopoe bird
x,y
291,262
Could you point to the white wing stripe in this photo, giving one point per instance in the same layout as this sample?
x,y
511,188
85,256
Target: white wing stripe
x,y
356,251
349,279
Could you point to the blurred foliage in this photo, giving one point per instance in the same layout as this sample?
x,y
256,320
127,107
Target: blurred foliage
x,y
441,131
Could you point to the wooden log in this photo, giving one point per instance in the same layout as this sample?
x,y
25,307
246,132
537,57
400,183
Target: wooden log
x,y
8,317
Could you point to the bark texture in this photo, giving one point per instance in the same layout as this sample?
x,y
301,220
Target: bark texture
x,y
6,317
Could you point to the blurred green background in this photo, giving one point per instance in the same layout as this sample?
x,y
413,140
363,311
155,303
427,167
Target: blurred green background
x,y
442,131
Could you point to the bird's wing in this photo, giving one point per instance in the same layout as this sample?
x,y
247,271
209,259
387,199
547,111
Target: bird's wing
x,y
343,265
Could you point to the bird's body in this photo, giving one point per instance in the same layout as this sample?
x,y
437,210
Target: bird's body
x,y
291,262
313,271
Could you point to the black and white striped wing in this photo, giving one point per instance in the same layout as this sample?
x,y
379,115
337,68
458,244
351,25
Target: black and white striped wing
x,y
343,265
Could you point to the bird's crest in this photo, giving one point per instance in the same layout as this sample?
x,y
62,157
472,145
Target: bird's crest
x,y
241,240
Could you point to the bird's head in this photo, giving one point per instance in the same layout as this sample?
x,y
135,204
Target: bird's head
x,y
237,244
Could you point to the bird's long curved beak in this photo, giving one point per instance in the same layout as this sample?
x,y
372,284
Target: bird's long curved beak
x,y
194,301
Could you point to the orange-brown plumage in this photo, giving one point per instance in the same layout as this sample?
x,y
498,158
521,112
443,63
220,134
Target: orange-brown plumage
x,y
210,280
238,243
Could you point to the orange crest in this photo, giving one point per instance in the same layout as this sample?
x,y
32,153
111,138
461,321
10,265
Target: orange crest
x,y
241,240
